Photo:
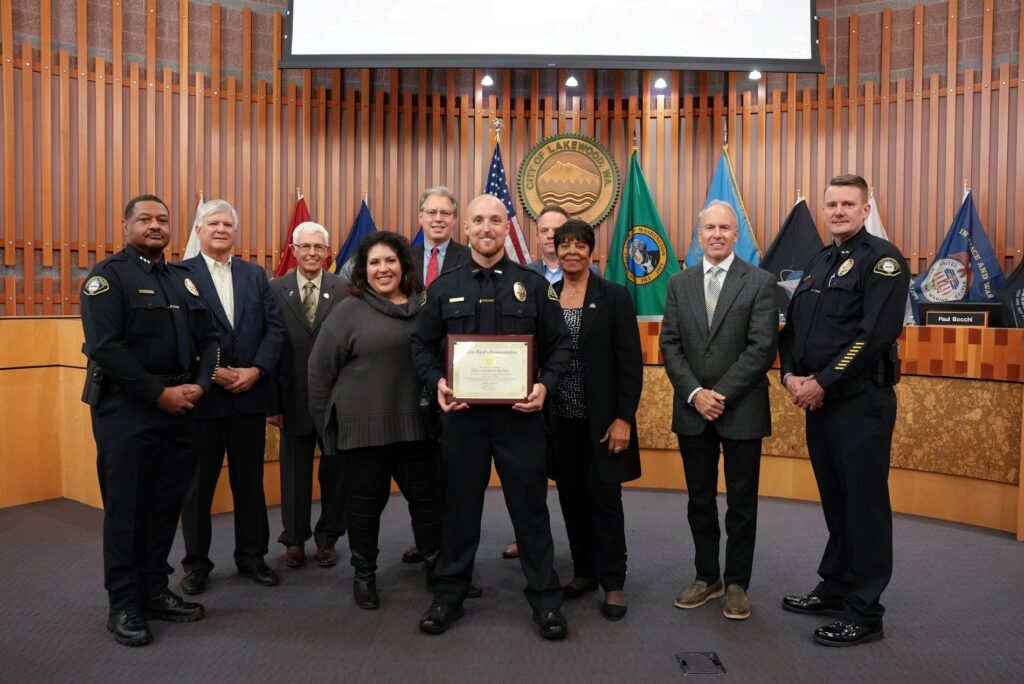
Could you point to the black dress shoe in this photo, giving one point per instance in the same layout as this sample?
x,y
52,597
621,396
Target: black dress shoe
x,y
364,591
194,582
613,612
474,591
129,627
260,574
570,593
440,617
812,604
294,556
170,607
412,555
845,632
552,623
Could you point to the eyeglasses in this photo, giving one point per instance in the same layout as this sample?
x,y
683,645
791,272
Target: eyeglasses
x,y
443,213
319,249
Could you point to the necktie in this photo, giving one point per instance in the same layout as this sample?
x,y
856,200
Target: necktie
x,y
711,297
487,324
309,301
431,267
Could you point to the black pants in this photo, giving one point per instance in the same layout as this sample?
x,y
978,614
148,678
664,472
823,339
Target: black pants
x,y
516,440
592,509
297,456
849,439
244,438
367,474
144,460
742,472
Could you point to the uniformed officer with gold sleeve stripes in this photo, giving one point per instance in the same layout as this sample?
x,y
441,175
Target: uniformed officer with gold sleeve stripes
x,y
488,295
839,364
152,349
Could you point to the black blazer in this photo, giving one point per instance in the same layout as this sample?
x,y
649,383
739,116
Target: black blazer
x,y
291,377
254,340
613,373
453,256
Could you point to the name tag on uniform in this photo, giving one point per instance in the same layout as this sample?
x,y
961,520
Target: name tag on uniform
x,y
141,291
456,299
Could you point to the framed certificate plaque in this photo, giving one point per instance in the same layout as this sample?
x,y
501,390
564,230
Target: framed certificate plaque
x,y
490,369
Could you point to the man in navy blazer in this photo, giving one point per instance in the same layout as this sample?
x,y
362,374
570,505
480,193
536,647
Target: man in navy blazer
x,y
232,416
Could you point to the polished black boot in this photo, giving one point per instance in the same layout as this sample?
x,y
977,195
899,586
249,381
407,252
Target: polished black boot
x,y
364,583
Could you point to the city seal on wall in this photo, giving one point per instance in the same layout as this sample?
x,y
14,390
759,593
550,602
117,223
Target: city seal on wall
x,y
573,171
644,255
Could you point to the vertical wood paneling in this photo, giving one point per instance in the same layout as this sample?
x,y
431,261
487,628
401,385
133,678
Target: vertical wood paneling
x,y
99,133
982,189
46,132
64,113
117,126
124,128
7,57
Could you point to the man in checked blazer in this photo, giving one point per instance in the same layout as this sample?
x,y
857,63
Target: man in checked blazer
x,y
719,337
305,293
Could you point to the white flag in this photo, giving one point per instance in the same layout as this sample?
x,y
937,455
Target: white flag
x,y
192,248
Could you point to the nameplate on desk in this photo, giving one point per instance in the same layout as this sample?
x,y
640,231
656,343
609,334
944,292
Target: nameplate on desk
x,y
978,319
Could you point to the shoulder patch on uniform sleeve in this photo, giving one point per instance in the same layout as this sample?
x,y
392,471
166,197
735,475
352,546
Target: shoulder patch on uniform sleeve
x,y
551,293
889,267
95,285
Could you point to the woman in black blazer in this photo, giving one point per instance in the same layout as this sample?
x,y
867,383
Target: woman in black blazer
x,y
593,420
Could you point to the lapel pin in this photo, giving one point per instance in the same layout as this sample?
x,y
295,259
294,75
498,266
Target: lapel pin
x,y
327,295
593,305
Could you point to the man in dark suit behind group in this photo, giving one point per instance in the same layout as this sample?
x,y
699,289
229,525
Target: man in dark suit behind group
x,y
304,297
438,216
232,416
719,337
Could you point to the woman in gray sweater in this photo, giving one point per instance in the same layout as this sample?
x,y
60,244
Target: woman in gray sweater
x,y
368,403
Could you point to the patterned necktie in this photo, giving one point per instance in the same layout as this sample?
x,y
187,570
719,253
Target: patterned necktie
x,y
431,267
713,290
309,301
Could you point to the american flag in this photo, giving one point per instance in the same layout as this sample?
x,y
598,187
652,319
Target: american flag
x,y
515,243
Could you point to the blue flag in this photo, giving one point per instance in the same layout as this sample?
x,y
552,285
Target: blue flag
x,y
418,240
361,227
723,187
965,267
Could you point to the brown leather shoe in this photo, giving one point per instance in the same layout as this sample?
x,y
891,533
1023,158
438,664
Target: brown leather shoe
x,y
326,556
294,557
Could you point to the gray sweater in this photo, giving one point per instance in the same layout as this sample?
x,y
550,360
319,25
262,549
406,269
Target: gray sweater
x,y
363,389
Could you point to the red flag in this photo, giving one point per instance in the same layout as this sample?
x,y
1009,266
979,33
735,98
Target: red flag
x,y
288,261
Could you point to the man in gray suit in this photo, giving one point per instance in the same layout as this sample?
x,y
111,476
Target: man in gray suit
x,y
305,296
439,213
719,337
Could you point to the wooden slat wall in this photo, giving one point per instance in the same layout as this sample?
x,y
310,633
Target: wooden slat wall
x,y
126,128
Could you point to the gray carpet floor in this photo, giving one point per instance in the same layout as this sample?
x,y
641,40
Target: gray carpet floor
x,y
955,610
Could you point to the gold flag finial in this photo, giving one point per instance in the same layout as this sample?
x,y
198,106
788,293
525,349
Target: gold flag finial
x,y
498,125
298,193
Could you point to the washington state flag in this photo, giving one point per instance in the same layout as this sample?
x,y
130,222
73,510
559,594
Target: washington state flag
x,y
641,256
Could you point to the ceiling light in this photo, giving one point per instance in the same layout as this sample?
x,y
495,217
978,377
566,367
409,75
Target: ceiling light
x,y
660,83
755,75
487,80
571,82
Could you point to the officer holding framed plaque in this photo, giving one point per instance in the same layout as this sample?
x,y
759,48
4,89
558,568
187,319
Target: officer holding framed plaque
x,y
482,317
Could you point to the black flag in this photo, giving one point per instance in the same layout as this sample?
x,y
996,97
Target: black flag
x,y
792,248
1011,294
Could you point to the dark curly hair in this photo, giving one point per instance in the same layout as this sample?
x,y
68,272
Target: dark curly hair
x,y
410,283
575,229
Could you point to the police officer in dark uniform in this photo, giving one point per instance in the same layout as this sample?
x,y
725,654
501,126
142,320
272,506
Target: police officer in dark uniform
x,y
152,350
493,295
839,363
